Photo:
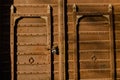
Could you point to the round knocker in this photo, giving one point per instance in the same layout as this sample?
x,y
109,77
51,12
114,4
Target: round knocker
x,y
31,60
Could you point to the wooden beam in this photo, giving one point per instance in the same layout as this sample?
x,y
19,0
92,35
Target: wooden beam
x,y
61,27
12,42
112,44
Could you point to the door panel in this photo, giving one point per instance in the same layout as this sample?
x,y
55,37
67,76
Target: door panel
x,y
93,67
31,41
90,44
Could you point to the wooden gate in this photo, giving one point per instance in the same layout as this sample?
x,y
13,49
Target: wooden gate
x,y
62,40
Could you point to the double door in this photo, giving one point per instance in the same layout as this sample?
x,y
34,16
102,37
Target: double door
x,y
80,47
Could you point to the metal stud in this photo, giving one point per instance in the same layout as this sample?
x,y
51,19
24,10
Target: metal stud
x,y
31,60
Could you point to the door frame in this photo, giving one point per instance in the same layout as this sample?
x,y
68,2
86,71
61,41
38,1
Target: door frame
x,y
62,40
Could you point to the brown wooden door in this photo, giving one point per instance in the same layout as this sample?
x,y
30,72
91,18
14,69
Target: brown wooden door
x,y
90,42
83,36
30,45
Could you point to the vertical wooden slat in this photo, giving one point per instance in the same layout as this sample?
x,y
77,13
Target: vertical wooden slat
x,y
75,44
61,27
12,42
49,37
112,55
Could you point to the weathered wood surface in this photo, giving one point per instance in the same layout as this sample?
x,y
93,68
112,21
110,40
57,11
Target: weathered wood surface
x,y
93,50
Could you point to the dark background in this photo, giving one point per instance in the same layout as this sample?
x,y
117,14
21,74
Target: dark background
x,y
5,64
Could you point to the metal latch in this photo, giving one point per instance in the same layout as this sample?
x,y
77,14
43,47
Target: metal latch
x,y
54,50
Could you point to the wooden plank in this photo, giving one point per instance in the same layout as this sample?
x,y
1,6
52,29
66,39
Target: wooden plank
x,y
49,39
93,1
94,65
100,74
37,68
62,48
100,55
33,76
35,2
112,54
75,48
88,7
12,42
